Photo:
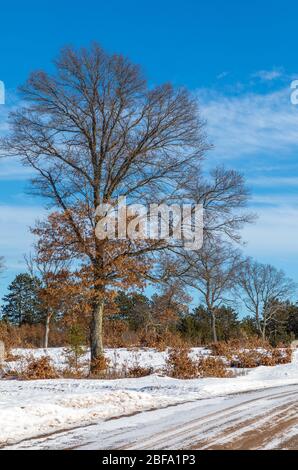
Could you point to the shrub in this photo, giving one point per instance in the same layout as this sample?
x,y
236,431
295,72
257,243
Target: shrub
x,y
246,359
138,371
37,369
180,365
76,350
9,335
249,353
31,336
220,349
264,357
116,334
282,356
171,339
228,348
212,367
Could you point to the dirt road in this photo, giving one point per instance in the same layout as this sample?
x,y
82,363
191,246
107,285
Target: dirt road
x,y
265,419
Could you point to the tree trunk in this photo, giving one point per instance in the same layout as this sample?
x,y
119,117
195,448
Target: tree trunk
x,y
259,323
96,340
263,331
97,359
258,318
214,327
47,331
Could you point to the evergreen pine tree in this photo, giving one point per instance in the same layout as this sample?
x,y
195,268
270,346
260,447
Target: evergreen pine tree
x,y
22,304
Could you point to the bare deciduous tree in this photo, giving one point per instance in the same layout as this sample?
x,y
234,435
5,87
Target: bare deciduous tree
x,y
224,197
53,273
211,271
263,289
95,131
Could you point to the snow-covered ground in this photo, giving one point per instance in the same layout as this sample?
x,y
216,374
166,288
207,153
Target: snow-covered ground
x,y
35,408
263,419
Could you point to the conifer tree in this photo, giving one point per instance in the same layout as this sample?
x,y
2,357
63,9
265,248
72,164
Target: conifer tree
x,y
22,304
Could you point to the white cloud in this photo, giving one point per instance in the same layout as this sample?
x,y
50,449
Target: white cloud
x,y
15,239
12,102
277,199
251,124
11,169
258,134
274,234
222,75
274,181
3,118
268,75
14,170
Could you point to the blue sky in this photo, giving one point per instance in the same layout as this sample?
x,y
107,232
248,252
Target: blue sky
x,y
238,59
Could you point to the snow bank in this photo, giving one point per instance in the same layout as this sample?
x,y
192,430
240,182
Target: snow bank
x,y
31,409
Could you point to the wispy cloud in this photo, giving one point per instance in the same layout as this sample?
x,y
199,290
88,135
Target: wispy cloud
x,y
274,233
250,124
279,200
257,133
16,239
222,75
4,111
13,169
15,235
268,75
12,101
274,182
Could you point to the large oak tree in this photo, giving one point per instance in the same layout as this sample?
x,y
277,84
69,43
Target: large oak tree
x,y
93,131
